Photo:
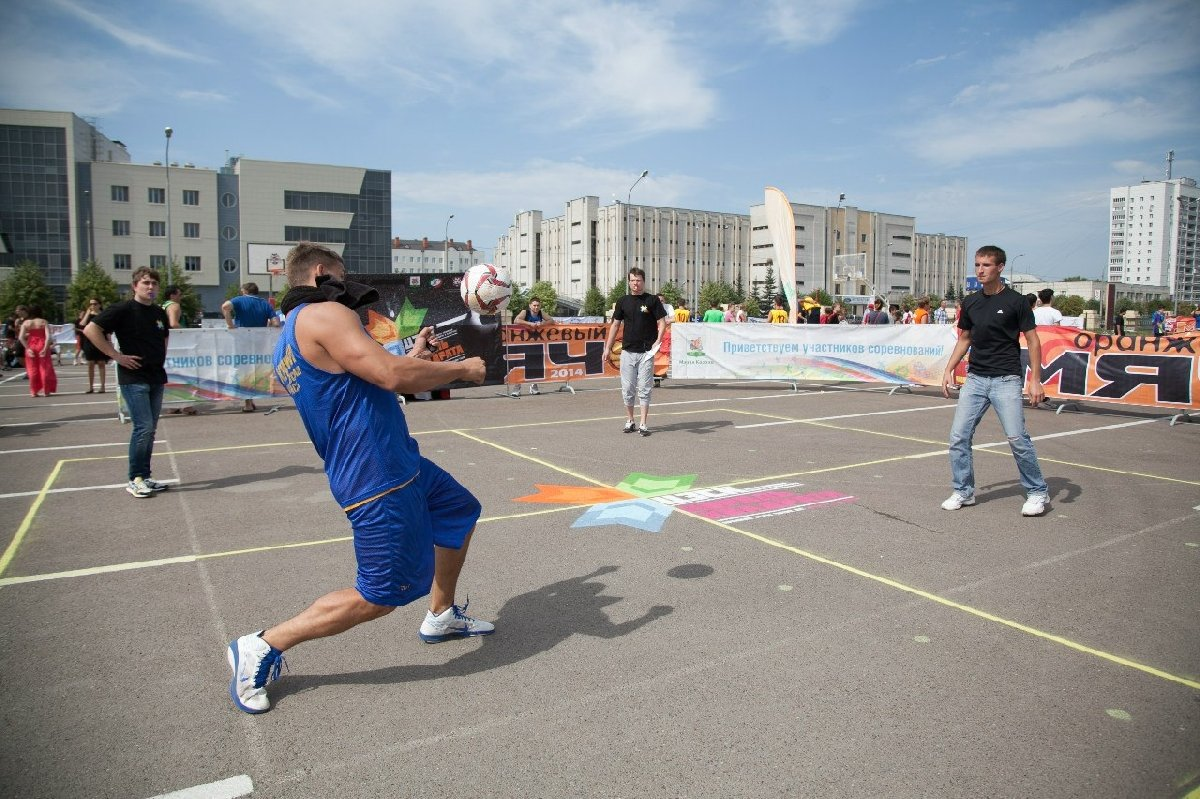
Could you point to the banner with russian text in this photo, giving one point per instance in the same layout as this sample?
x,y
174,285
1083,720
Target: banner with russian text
x,y
1152,371
915,354
213,364
560,352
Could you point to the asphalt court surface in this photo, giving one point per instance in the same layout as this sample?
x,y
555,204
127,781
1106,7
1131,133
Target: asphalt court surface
x,y
813,625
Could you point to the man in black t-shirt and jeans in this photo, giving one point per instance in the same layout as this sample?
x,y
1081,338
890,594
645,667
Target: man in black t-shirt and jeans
x,y
990,324
141,328
642,318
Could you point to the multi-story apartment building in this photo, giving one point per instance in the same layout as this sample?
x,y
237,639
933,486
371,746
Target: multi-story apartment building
x,y
844,250
1153,236
595,245
419,256
68,194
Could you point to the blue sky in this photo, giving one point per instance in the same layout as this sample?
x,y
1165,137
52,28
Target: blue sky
x,y
1006,122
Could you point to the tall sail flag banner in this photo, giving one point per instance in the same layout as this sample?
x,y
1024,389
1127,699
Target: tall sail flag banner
x,y
782,227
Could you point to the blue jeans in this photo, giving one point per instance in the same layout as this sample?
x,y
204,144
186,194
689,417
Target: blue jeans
x,y
975,397
144,403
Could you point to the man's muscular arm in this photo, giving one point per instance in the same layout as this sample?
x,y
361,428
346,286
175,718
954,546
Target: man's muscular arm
x,y
332,338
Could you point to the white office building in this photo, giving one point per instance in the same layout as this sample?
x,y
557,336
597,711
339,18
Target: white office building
x,y
422,256
1153,236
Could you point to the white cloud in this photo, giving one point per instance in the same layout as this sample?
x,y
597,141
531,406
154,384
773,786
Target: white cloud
x,y
805,23
124,33
201,96
982,132
1111,76
627,60
33,79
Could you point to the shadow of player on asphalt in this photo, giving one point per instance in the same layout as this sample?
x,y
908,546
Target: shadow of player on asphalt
x,y
526,625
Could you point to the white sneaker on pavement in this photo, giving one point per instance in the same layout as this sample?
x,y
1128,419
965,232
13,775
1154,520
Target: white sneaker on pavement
x,y
957,501
1035,505
452,622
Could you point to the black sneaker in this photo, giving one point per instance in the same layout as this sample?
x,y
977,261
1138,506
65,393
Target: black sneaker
x,y
630,426
644,431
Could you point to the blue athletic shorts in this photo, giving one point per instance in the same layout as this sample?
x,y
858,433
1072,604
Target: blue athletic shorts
x,y
394,534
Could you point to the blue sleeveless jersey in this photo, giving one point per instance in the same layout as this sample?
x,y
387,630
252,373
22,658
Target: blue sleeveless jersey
x,y
357,427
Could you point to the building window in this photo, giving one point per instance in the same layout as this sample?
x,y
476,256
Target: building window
x,y
120,194
229,266
320,201
156,196
321,235
229,233
158,262
158,230
228,200
191,230
191,197
191,263
122,260
120,227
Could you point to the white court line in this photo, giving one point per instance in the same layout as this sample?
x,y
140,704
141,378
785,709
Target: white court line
x,y
106,419
231,788
843,416
1073,432
69,446
80,488
44,404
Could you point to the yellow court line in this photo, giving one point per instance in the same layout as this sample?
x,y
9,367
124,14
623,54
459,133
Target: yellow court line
x,y
27,522
538,461
983,614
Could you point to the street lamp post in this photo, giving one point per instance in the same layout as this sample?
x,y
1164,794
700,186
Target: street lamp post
x,y
167,163
628,199
446,246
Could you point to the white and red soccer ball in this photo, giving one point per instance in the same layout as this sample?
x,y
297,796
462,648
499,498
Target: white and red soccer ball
x,y
486,288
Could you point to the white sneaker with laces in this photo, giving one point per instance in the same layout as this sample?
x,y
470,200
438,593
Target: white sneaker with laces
x,y
452,622
630,426
254,663
533,389
957,501
1035,505
138,487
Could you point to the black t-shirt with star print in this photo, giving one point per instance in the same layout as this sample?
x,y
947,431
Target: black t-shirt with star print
x,y
640,314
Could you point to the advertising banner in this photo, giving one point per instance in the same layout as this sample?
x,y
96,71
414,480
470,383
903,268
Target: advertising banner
x,y
208,364
1153,371
915,354
408,303
556,353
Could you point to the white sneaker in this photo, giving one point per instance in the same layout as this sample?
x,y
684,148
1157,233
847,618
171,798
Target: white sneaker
x,y
138,487
957,501
1035,505
452,623
254,663
533,389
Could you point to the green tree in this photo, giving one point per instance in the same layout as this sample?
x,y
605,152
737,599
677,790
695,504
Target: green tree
x,y
593,302
769,289
1068,304
822,296
544,291
1092,305
519,299
751,307
90,281
27,286
672,294
908,302
720,291
615,293
174,275
951,296
1126,304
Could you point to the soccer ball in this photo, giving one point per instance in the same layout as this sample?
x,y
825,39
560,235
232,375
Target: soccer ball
x,y
486,288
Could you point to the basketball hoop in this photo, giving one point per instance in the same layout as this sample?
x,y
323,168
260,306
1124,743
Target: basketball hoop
x,y
276,271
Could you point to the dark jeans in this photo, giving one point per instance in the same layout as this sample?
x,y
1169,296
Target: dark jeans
x,y
144,403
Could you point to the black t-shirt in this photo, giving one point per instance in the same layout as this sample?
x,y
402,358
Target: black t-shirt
x,y
996,323
640,313
140,330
